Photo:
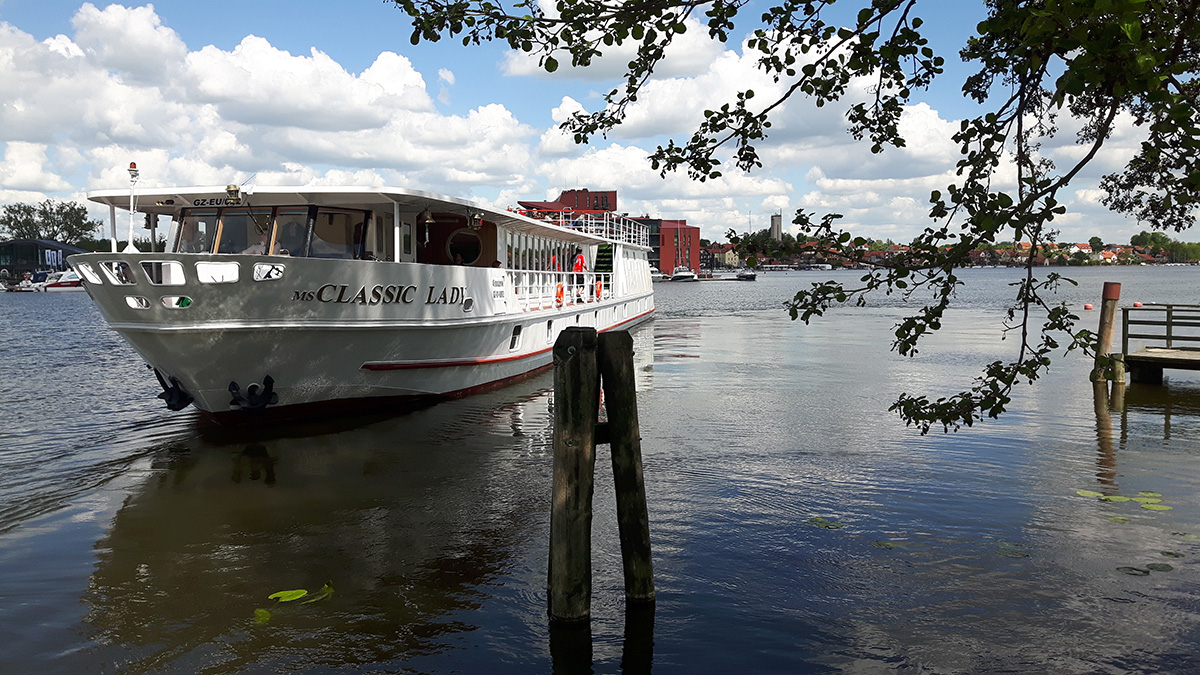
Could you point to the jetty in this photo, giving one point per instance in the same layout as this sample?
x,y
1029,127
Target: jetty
x,y
1169,335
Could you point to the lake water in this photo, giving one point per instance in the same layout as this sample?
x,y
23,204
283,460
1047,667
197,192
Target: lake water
x,y
136,540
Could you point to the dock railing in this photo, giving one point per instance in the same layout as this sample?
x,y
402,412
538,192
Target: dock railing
x,y
1168,324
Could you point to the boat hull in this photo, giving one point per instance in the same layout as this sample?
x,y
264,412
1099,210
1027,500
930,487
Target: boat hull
x,y
250,332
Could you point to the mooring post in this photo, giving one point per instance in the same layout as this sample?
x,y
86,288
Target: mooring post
x,y
576,407
1108,318
625,445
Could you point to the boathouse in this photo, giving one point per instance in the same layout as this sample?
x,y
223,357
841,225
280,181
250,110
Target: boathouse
x,y
18,256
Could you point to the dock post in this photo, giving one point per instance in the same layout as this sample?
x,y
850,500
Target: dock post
x,y
1108,317
625,445
576,407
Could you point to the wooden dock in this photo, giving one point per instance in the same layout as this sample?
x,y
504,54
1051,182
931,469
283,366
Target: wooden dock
x,y
1164,327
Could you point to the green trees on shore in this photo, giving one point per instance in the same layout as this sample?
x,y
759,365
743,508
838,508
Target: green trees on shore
x,y
65,222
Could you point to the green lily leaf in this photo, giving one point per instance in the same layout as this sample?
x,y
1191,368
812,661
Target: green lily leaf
x,y
325,592
1088,493
1115,498
288,596
1156,507
1134,571
1146,500
1171,554
261,616
1159,567
1149,494
1118,519
825,523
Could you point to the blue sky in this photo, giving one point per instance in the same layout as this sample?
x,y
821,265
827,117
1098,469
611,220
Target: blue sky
x,y
333,92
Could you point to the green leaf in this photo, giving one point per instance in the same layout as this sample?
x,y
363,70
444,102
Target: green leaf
x,y
261,617
288,596
1156,507
1145,500
1115,498
1149,494
1088,493
1170,554
1118,519
325,592
825,523
551,64
1134,571
1159,567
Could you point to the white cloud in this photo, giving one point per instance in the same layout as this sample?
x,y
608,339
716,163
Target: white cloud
x,y
24,169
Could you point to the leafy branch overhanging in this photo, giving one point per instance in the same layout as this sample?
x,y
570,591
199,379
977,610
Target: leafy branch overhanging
x,y
1101,61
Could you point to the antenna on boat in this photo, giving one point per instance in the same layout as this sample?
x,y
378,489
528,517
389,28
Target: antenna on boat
x,y
133,179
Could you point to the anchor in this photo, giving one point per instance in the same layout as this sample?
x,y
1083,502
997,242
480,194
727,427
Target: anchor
x,y
256,397
174,395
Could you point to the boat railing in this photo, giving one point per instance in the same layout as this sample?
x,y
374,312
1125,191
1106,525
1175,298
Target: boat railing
x,y
549,290
606,224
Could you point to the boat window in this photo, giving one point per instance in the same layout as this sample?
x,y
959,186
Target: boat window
x,y
88,273
118,272
515,342
196,232
291,231
338,233
176,301
268,271
244,230
167,273
137,302
464,247
208,272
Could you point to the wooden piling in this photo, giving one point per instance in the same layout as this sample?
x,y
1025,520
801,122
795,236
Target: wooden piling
x,y
576,406
615,359
1108,315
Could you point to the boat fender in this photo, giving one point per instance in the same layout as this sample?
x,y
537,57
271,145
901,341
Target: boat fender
x,y
173,394
255,398
558,296
599,289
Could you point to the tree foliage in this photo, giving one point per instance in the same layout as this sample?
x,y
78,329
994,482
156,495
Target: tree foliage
x,y
1102,62
65,222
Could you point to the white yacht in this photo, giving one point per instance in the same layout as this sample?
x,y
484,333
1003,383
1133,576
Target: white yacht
x,y
293,298
684,273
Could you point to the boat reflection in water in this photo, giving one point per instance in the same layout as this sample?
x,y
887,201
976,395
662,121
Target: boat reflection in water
x,y
414,520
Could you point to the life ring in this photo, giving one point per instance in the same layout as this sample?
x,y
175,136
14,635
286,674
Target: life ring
x,y
558,296
599,289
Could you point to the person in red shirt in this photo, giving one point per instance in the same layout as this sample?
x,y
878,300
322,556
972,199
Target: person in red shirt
x,y
579,267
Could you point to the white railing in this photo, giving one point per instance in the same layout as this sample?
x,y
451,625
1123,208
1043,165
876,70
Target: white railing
x,y
604,224
550,290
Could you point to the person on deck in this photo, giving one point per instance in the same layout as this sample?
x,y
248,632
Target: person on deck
x,y
579,268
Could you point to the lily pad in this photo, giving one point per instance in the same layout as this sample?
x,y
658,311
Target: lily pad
x,y
1146,500
261,616
1159,567
325,592
1171,554
1156,507
1134,571
1012,550
1116,498
1149,494
1118,519
825,523
1186,536
885,545
288,596
1088,493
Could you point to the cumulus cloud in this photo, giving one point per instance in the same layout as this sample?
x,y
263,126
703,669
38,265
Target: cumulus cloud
x,y
125,87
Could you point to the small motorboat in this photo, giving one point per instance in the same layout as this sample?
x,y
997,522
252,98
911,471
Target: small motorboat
x,y
656,274
747,275
683,273
67,280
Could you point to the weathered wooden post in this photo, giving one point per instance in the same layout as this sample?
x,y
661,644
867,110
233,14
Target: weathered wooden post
x,y
1108,316
625,446
582,360
576,407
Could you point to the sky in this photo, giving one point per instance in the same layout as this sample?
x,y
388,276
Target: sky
x,y
307,91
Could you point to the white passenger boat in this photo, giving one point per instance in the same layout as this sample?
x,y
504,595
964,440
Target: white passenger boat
x,y
293,298
684,273
67,280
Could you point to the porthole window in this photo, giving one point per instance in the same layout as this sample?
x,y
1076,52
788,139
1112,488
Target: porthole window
x,y
464,247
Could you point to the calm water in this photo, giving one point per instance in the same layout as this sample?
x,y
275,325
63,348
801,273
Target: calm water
x,y
135,540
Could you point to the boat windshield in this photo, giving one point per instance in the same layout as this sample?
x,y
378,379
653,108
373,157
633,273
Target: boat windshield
x,y
299,231
197,231
244,230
